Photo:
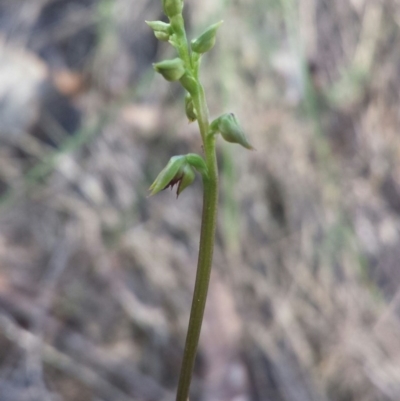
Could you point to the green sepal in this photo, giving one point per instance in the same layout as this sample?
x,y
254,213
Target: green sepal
x,y
159,26
171,70
189,83
178,25
188,177
172,7
198,163
164,37
228,126
162,30
206,40
189,108
173,40
167,175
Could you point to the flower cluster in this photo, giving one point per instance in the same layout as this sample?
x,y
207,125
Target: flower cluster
x,y
184,68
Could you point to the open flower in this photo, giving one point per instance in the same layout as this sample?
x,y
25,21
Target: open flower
x,y
180,171
177,171
183,178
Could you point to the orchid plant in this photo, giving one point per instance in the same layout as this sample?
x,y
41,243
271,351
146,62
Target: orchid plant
x,y
181,169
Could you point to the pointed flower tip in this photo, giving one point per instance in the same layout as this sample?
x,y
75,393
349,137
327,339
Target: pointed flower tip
x,y
150,194
151,190
231,131
206,40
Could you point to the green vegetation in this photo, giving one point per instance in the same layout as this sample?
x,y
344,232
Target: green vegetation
x,y
180,169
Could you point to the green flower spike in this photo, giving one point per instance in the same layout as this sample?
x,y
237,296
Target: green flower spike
x,y
172,7
181,170
206,40
228,126
171,70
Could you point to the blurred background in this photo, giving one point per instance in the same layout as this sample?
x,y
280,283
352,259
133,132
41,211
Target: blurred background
x,y
96,279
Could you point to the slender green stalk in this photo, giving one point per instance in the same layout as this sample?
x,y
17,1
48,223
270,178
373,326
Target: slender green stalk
x,y
208,224
179,170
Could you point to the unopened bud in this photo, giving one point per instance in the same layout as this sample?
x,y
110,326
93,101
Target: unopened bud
x,y
189,108
189,83
162,36
162,30
173,40
206,40
171,70
159,26
172,7
231,130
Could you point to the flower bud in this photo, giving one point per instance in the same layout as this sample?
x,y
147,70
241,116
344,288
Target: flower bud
x,y
189,83
189,108
159,26
173,41
206,40
172,7
230,130
161,29
171,70
169,175
162,36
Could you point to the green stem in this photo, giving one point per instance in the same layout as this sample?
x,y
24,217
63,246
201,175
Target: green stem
x,y
178,26
207,237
